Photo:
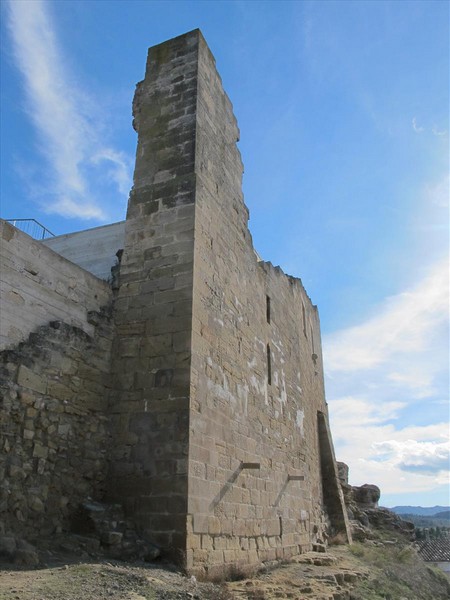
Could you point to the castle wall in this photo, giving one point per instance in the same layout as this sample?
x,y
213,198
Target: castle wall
x,y
92,249
220,447
202,408
55,442
54,372
216,395
37,286
153,310
255,490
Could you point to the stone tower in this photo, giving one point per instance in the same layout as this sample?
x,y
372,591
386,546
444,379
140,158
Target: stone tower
x,y
222,450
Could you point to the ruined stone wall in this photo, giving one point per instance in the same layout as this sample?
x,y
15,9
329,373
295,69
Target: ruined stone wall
x,y
54,369
54,429
37,286
255,490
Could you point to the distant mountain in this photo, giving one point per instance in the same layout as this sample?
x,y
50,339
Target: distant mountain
x,y
428,511
426,521
443,515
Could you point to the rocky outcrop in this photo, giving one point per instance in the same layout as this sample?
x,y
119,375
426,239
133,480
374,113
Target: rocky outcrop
x,y
366,495
364,513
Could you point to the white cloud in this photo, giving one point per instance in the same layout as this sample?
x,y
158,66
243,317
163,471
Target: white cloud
x,y
438,132
368,438
64,118
404,324
414,456
416,127
351,411
434,130
378,374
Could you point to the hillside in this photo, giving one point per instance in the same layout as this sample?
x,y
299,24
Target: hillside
x,y
419,510
443,515
427,522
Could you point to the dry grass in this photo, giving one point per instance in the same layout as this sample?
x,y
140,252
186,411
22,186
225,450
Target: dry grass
x,y
398,572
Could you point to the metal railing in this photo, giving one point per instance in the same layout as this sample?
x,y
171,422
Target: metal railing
x,y
32,227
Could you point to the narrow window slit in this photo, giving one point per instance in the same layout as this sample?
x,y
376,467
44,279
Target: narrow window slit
x,y
269,366
268,308
304,319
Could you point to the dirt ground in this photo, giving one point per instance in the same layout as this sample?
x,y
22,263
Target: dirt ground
x,y
315,576
343,573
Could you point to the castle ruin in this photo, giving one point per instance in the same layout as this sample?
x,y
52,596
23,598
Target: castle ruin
x,y
189,389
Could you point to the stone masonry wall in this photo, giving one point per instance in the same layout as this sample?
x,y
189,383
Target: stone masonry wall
x,y
153,311
218,378
255,489
37,285
54,431
201,408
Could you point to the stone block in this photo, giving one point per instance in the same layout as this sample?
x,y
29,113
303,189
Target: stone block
x,y
33,381
36,504
214,526
40,451
59,391
111,538
200,523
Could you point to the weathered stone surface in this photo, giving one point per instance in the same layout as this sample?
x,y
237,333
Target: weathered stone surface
x,y
212,317
55,448
26,378
106,524
367,495
8,546
26,554
343,472
18,551
36,504
205,416
363,512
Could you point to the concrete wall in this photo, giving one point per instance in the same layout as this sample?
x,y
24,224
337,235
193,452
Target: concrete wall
x,y
37,286
92,249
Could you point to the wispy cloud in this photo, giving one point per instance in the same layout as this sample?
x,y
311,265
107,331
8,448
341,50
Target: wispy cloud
x,y
416,127
438,132
378,374
65,121
434,130
403,324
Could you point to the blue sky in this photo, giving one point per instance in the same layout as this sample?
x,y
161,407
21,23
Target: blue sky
x,y
343,112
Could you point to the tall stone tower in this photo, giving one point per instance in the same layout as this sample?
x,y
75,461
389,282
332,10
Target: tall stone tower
x,y
222,449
